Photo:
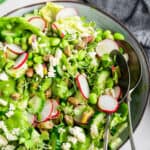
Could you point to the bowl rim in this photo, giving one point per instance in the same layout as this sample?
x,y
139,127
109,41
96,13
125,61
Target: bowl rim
x,y
147,62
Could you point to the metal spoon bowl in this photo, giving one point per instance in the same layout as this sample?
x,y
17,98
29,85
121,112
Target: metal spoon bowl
x,y
124,83
135,71
136,74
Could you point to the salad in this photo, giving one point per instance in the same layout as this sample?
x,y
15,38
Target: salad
x,y
58,82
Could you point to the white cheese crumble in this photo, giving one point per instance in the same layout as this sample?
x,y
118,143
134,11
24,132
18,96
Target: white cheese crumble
x,y
16,131
39,70
9,147
61,130
3,141
11,107
78,133
58,55
9,136
66,146
93,57
72,139
3,102
9,113
53,62
51,72
3,76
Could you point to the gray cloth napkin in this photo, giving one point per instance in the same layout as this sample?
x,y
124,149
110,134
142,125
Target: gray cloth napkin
x,y
135,14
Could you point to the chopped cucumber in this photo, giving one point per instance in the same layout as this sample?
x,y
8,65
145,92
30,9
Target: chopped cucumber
x,y
101,81
115,143
97,121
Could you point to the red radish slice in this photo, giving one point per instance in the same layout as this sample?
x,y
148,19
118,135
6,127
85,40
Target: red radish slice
x,y
54,26
47,111
117,92
66,12
55,112
106,46
38,22
14,48
83,85
62,34
21,60
107,104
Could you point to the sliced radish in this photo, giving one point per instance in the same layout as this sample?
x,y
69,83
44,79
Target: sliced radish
x,y
14,48
117,92
106,46
55,112
107,104
38,22
66,12
54,26
83,85
46,112
21,60
62,34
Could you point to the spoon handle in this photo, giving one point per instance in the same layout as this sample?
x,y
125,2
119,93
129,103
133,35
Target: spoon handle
x,y
130,123
106,133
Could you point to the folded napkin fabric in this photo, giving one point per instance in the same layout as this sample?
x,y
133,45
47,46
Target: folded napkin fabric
x,y
135,14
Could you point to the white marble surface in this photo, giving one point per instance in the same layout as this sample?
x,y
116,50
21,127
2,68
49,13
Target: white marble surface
x,y
142,133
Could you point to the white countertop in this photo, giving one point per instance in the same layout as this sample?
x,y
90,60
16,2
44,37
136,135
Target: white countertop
x,y
142,133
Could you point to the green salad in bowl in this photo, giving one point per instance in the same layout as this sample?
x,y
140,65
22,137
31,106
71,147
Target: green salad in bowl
x,y
58,82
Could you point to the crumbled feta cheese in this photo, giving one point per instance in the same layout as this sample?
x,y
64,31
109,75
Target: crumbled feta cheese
x,y
58,55
78,133
9,113
72,139
3,102
66,146
10,136
9,147
3,141
3,126
93,57
92,54
94,131
61,130
51,72
11,107
16,131
3,76
39,70
53,61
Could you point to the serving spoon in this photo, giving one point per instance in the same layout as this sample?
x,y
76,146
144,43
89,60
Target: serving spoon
x,y
124,83
135,75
